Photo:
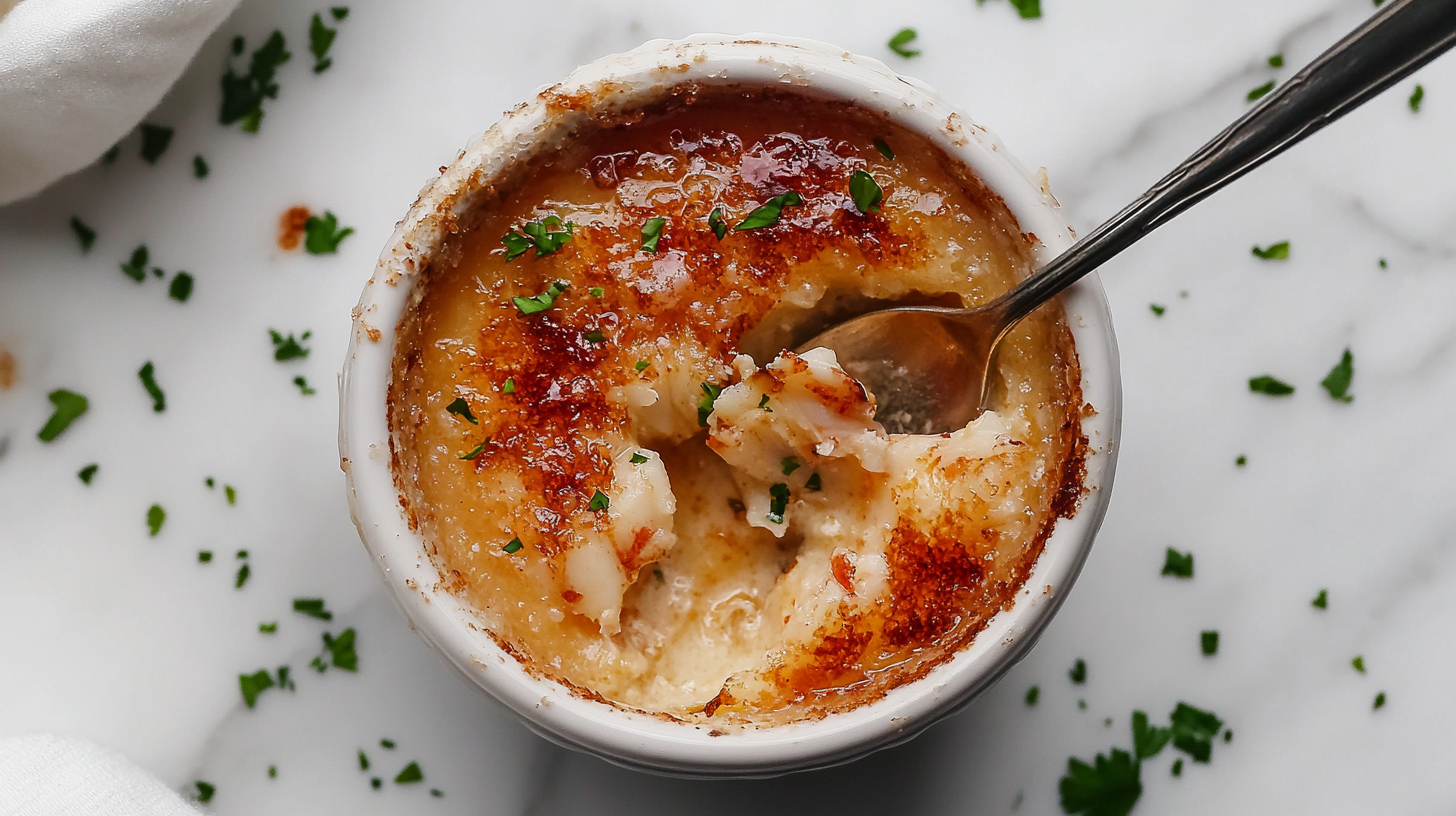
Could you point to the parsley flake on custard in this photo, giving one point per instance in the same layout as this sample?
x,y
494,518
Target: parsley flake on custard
x,y
1415,99
461,408
1208,642
900,43
547,235
1273,252
1276,61
1322,600
341,650
69,406
303,387
320,39
409,775
652,232
181,287
1027,9
155,139
1148,740
1266,384
244,572
84,234
1157,309
204,556
148,376
1032,695
1110,786
268,628
1259,92
86,474
136,266
865,191
289,348
1337,382
1194,730
205,790
1178,565
253,685
312,607
542,302
243,94
1379,701
322,236
156,517
199,167
768,214
1078,673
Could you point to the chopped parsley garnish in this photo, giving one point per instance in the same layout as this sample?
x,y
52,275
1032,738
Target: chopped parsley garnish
x,y
339,12
84,234
303,387
641,365
322,236
705,403
1273,252
156,517
1383,264
1157,309
1322,600
268,628
1242,460
254,684
763,403
1265,384
768,214
387,743
320,39
884,148
1208,641
437,793
1260,92
312,607
716,222
243,574
595,336
363,760
204,556
181,287
652,232
637,459
155,139
1178,565
231,493
1415,99
778,502
476,451
1108,787
69,407
136,267
1147,740
1379,701
596,291
657,573
243,94
86,474
210,482
1358,662
547,235
1078,672
376,783
241,554
148,375
410,774
541,302
1027,9
513,546
865,191
288,348
1032,695
1194,730
1276,61
1337,382
901,41
510,386
1177,769
341,650
199,167
272,771
205,790
461,408
790,464
814,483
599,502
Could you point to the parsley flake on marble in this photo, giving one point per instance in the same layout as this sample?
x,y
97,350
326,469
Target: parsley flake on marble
x,y
1415,99
244,572
253,685
778,503
69,406
1322,600
322,236
1276,61
230,493
461,408
1078,672
513,546
1032,695
320,39
1266,384
204,556
241,554
476,451
1157,309
865,191
1148,740
387,743
303,387
1108,787
86,474
1177,769
181,287
705,403
652,232
136,266
1260,92
289,348
341,650
884,148
312,607
1383,264
272,771
768,213
1178,565
437,793
84,234
1194,730
814,483
1379,701
199,167
541,302
363,760
1273,252
243,94
155,139
716,222
790,464
270,628
599,502
148,376
637,459
547,235
900,43
1242,460
376,783
156,517
1208,641
1027,9
1337,382
205,791
409,775
1358,663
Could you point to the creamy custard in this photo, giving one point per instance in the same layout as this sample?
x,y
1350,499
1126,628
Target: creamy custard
x,y
613,460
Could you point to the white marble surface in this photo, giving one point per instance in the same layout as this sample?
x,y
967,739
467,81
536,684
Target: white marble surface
x,y
109,634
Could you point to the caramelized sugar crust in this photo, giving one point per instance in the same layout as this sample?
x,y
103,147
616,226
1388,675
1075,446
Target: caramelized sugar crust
x,y
880,576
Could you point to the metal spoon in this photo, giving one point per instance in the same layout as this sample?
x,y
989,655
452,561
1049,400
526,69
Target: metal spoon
x,y
928,366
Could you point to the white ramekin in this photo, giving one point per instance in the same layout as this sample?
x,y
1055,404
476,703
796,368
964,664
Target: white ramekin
x,y
626,81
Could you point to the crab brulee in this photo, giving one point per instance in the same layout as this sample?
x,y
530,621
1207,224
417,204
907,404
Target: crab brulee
x,y
643,495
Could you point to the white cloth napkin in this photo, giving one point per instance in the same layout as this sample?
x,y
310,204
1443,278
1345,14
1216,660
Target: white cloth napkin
x,y
44,775
77,75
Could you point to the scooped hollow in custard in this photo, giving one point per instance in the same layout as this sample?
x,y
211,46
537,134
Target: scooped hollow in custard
x,y
643,496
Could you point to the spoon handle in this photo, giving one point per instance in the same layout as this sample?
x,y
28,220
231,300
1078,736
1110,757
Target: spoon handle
x,y
1391,45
